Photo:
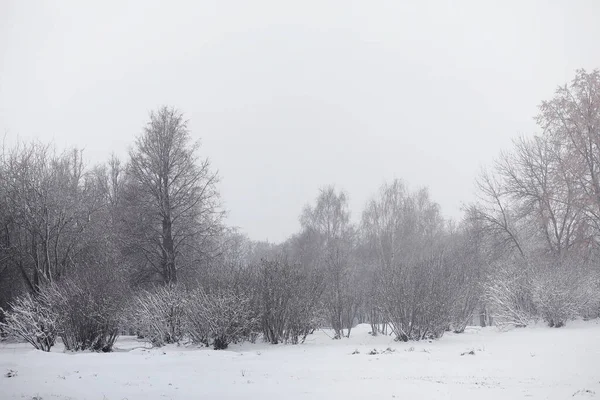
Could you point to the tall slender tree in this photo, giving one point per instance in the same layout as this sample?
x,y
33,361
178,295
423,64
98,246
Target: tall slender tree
x,y
327,227
176,198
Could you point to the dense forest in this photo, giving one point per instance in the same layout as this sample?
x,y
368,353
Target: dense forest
x,y
140,245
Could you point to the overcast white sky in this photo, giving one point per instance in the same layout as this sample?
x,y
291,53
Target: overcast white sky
x,y
290,96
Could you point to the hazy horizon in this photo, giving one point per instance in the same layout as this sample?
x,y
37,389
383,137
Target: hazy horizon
x,y
287,99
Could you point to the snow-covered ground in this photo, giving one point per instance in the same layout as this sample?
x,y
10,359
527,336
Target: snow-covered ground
x,y
533,363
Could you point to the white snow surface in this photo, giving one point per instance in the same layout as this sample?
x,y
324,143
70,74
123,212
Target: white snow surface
x,y
534,363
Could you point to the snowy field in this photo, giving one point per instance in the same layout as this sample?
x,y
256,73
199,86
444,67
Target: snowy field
x,y
533,363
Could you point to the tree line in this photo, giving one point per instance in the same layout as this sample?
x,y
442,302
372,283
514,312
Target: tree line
x,y
140,246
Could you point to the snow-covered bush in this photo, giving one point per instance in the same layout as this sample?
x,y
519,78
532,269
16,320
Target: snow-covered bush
x,y
509,297
417,297
89,312
468,280
465,304
591,308
561,295
3,332
159,315
31,319
221,317
289,301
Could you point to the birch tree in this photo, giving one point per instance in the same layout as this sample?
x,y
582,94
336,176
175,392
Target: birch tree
x,y
327,225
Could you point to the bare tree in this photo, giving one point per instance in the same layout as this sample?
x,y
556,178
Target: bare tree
x,y
328,225
572,118
413,272
541,200
175,196
51,206
537,177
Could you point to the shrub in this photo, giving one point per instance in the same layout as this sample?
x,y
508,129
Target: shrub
x,y
160,314
89,311
464,308
467,290
289,301
32,320
417,297
562,295
220,317
509,296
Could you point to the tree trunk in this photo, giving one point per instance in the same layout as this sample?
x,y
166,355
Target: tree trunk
x,y
170,273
